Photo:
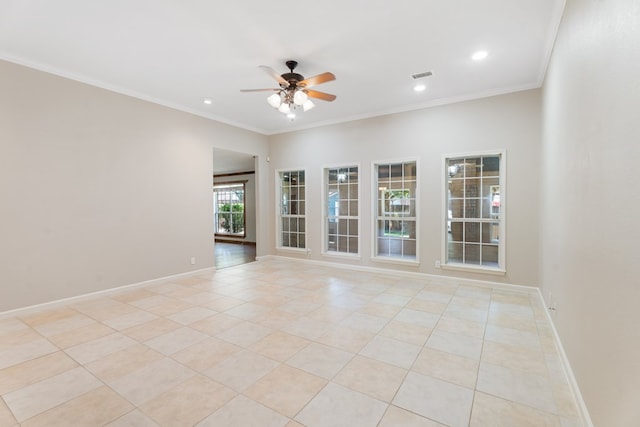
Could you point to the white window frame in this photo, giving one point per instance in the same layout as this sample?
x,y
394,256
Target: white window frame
x,y
278,211
325,208
374,210
445,264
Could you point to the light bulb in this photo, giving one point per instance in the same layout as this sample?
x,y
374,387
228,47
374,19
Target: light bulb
x,y
284,108
274,100
308,105
291,116
419,87
300,97
479,55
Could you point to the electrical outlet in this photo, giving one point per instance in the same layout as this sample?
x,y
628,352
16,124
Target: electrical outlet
x,y
193,260
438,264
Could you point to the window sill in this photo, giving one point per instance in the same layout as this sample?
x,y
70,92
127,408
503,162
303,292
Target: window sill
x,y
397,261
341,255
293,250
474,269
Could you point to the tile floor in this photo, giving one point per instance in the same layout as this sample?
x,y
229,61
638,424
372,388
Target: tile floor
x,y
279,343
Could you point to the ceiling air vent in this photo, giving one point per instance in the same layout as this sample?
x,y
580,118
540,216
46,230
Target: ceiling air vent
x,y
421,75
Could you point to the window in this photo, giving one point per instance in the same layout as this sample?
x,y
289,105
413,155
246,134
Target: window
x,y
228,207
396,210
341,211
292,209
475,233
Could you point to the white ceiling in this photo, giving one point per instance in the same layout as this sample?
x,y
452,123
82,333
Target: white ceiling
x,y
178,52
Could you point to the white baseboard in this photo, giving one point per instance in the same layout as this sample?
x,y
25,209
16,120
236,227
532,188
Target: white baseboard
x,y
568,372
411,274
65,301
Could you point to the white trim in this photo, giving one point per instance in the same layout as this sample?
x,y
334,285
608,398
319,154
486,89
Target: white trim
x,y
66,301
470,268
396,261
566,367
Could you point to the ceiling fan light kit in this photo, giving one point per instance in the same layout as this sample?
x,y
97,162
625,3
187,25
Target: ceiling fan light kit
x,y
294,93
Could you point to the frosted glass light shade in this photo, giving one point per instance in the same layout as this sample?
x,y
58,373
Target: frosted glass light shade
x,y
274,100
299,98
284,108
308,105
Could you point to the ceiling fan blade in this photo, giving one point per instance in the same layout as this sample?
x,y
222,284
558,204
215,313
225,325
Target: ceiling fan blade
x,y
273,74
316,80
320,95
260,90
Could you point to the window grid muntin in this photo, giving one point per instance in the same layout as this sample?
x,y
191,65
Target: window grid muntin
x,y
292,209
474,201
396,210
342,195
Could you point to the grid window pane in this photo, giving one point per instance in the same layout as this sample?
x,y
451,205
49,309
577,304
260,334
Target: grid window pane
x,y
396,210
292,209
228,207
341,209
473,210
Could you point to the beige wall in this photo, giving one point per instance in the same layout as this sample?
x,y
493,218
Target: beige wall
x,y
591,202
510,122
100,190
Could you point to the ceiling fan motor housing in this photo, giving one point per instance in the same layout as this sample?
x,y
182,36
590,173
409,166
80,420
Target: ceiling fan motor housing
x,y
291,77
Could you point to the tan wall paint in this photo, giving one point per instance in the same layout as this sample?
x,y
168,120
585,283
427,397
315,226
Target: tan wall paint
x,y
100,190
591,202
510,122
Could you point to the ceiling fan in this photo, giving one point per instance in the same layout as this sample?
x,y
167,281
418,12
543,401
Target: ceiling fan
x,y
294,93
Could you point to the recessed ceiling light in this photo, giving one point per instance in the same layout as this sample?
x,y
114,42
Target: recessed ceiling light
x,y
419,87
207,101
479,55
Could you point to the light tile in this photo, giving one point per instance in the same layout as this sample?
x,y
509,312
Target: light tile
x,y
496,412
461,326
306,327
466,313
320,360
515,357
417,317
346,339
67,323
448,367
176,340
151,329
46,394
191,315
338,406
247,311
427,305
329,314
133,419
365,322
80,335
407,332
32,371
245,334
528,389
438,400
392,299
130,319
95,349
279,346
155,378
395,417
188,402
95,408
215,324
461,345
512,336
206,353
371,377
241,370
388,350
123,362
285,389
26,351
6,417
244,412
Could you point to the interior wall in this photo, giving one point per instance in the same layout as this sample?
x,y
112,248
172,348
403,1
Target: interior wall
x,y
99,189
510,122
590,202
249,204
